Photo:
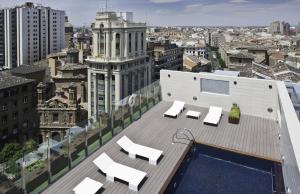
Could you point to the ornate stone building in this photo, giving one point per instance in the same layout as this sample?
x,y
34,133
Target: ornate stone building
x,y
59,113
118,66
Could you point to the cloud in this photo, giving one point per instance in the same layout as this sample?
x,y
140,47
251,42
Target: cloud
x,y
164,1
163,11
238,1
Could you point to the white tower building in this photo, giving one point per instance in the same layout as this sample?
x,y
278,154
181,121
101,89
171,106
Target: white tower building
x,y
118,66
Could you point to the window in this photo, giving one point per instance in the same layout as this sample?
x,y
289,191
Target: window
x,y
142,41
130,41
25,100
24,89
15,115
136,41
25,124
101,98
4,107
55,117
118,41
215,86
4,120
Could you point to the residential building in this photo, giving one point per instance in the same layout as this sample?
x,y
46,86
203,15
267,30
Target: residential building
x,y
197,50
69,33
29,33
280,27
19,119
118,66
241,62
164,55
196,64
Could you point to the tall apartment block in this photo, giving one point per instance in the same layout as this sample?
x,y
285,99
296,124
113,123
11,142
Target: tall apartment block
x,y
118,66
279,27
28,33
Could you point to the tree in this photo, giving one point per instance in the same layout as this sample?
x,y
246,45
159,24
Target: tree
x,y
9,151
29,146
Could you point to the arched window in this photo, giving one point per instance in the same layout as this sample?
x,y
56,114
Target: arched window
x,y
102,41
142,41
129,43
136,41
118,41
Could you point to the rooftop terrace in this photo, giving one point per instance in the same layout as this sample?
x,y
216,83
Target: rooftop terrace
x,y
254,136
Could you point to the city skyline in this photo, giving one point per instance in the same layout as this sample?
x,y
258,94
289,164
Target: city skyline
x,y
181,12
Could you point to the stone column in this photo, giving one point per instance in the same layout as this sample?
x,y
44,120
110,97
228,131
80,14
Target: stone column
x,y
132,82
113,45
108,44
107,92
118,86
89,93
95,94
139,43
126,44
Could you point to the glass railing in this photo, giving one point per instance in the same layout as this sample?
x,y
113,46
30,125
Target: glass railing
x,y
35,171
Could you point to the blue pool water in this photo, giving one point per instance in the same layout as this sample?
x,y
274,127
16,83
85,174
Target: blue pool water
x,y
205,171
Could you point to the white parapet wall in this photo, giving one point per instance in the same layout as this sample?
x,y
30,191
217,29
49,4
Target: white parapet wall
x,y
255,97
289,140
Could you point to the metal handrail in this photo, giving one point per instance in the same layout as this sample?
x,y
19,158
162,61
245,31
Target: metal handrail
x,y
181,131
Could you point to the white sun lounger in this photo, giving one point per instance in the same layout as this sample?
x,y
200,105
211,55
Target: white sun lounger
x,y
87,186
113,170
175,109
135,149
213,116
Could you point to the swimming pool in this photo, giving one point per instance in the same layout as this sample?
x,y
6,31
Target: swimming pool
x,y
207,170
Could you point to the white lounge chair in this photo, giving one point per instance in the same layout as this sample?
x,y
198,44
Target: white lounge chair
x,y
135,149
113,170
213,116
175,109
88,186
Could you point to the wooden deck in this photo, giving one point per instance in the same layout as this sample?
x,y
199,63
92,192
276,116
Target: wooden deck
x,y
253,136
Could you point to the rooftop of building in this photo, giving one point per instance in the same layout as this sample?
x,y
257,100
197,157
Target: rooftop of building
x,y
27,69
158,134
8,81
242,55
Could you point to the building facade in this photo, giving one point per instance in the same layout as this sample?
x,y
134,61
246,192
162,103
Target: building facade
x,y
164,56
17,109
28,33
279,27
118,66
69,33
196,50
59,113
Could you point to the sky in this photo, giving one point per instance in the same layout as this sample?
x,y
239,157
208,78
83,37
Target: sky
x,y
180,12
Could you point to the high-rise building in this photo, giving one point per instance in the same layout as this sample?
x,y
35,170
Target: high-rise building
x,y
279,27
28,33
69,33
118,66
